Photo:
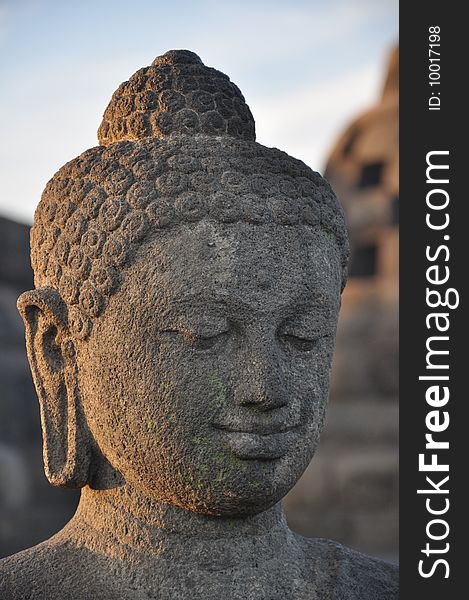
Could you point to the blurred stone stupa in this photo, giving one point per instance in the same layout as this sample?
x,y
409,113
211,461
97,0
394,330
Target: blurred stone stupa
x,y
354,475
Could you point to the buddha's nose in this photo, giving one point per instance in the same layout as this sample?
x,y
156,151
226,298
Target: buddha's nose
x,y
261,380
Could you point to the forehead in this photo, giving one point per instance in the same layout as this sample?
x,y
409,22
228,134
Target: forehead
x,y
257,265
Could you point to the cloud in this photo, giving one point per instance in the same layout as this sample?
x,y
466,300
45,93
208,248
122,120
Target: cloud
x,y
4,14
286,32
306,121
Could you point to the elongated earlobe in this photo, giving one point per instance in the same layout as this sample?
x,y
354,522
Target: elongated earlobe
x,y
51,354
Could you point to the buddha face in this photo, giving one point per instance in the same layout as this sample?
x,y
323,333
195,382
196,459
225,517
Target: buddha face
x,y
205,381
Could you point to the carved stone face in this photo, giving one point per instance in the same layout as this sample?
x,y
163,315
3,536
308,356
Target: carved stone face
x,y
205,381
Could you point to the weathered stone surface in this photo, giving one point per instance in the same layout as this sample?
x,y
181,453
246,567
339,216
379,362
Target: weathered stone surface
x,y
180,338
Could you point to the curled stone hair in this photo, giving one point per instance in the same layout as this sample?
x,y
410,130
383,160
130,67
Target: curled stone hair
x,y
177,146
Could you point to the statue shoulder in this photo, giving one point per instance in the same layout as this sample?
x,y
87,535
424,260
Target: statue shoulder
x,y
346,574
51,571
25,575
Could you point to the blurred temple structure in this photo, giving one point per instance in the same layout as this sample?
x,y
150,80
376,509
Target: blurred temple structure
x,y
350,490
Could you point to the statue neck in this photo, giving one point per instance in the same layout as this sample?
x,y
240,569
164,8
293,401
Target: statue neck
x,y
124,523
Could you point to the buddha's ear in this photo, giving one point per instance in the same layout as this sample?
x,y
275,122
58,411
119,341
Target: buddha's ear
x,y
51,354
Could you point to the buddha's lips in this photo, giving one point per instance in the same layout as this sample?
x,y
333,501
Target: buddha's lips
x,y
254,445
261,429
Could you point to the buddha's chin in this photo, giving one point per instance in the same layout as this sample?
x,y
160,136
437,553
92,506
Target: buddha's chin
x,y
261,488
231,506
224,484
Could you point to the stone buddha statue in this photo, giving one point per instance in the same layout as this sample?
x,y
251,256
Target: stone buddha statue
x,y
180,336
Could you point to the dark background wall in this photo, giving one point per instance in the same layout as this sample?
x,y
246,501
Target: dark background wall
x,y
30,509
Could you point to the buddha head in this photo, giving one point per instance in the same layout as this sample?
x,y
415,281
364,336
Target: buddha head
x,y
187,290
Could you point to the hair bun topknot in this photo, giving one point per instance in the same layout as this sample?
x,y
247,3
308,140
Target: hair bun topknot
x,y
176,95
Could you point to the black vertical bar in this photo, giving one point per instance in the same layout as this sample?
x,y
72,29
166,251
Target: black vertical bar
x,y
432,119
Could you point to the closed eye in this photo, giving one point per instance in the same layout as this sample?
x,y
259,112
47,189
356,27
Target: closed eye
x,y
206,342
199,338
302,344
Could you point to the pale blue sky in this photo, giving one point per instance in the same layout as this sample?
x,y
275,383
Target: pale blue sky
x,y
305,68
